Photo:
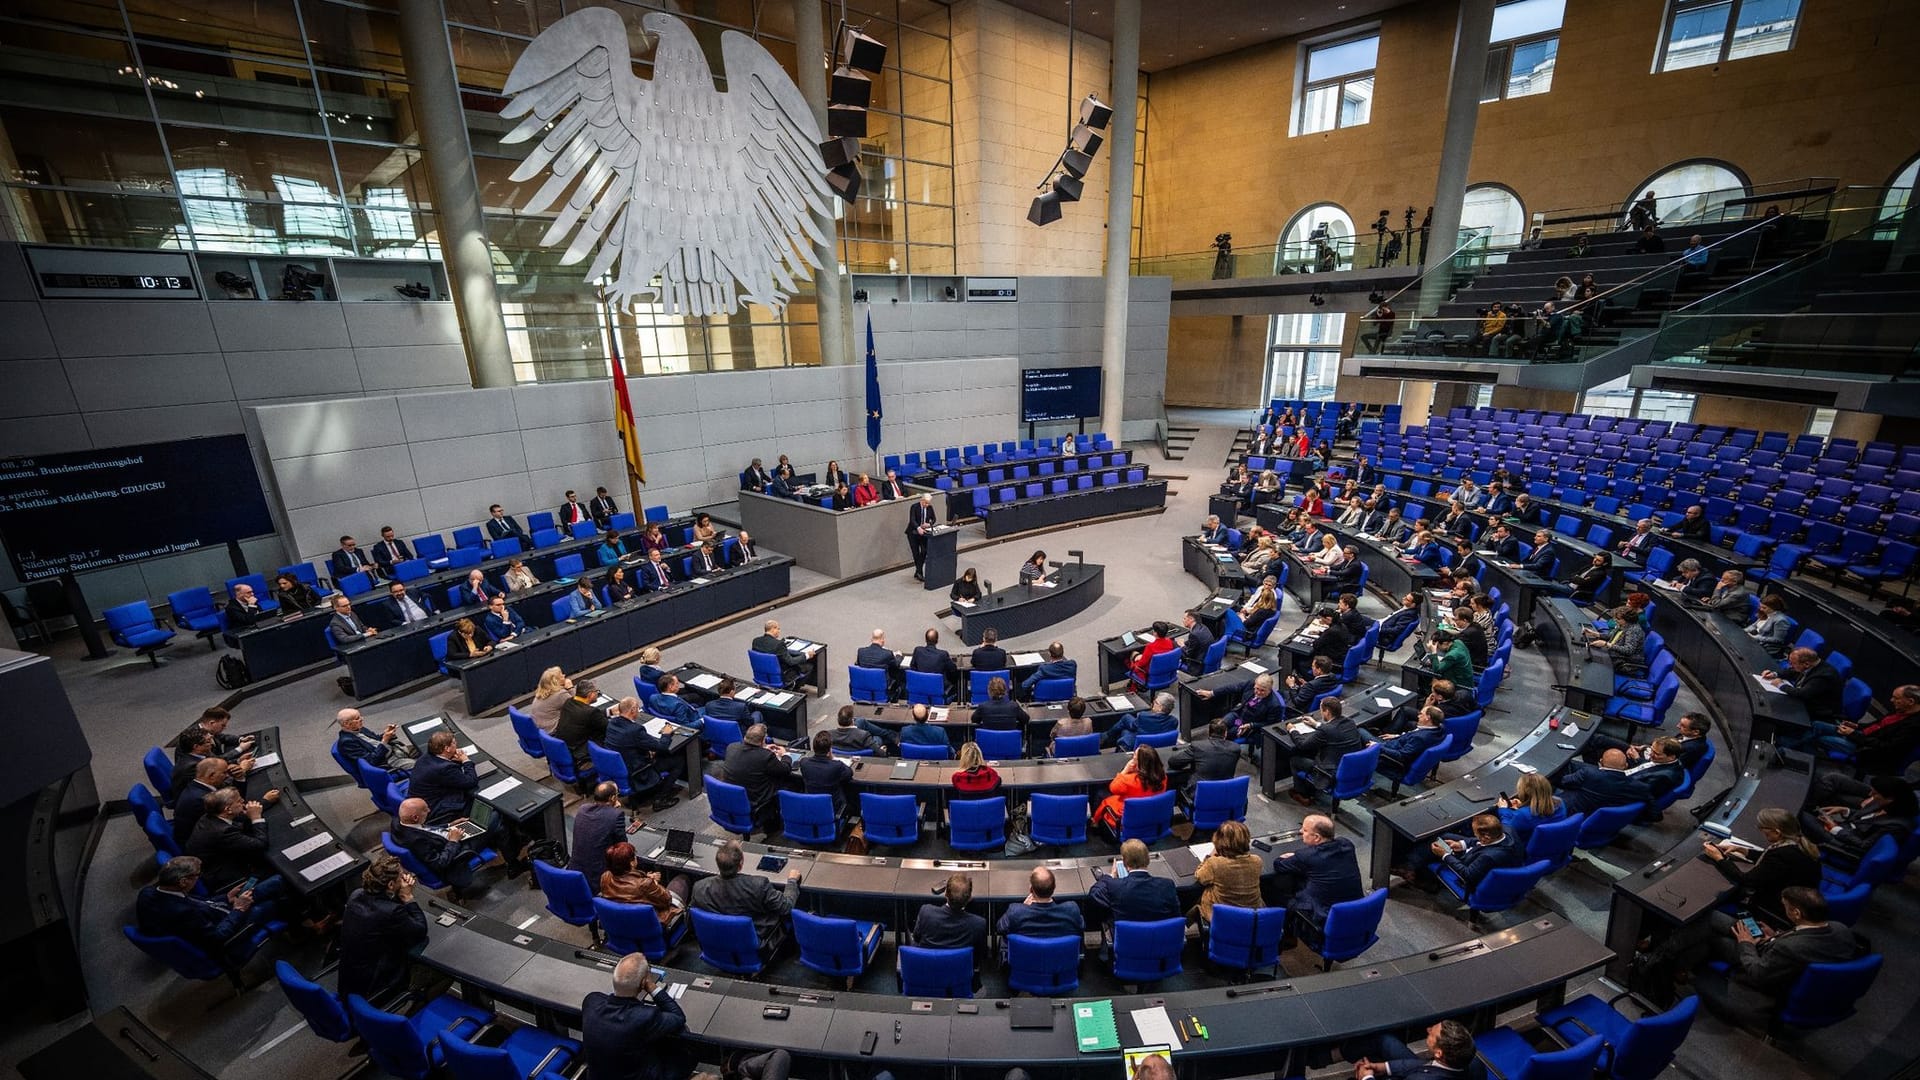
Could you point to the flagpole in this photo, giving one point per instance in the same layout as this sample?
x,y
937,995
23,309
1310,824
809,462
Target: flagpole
x,y
620,372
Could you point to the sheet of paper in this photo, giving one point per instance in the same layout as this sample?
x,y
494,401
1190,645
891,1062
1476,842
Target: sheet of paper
x,y
706,680
327,865
656,727
748,693
1255,666
470,750
307,846
1384,703
302,819
696,581
778,699
1769,687
1156,1027
1201,851
1119,701
494,791
503,646
424,725
1027,659
937,715
265,760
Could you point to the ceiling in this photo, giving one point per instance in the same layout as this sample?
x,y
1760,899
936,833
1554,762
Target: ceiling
x,y
1175,32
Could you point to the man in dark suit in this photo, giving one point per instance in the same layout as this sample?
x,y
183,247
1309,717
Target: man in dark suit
x,y
581,722
930,657
643,754
755,477
1347,616
1635,547
1056,666
709,560
502,622
855,734
1158,719
1398,751
169,908
999,712
571,513
1451,700
763,771
989,656
597,826
1501,544
823,774
478,590
891,488
243,612
1586,788
1333,641
724,706
1302,692
1470,634
196,747
1213,756
1407,614
1466,564
349,559
1449,1056
444,779
1814,683
1525,510
875,654
215,722
655,574
796,665
1212,532
734,893
1040,915
1761,971
402,607
602,508
1323,747
209,776
230,839
1262,706
1323,873
1193,651
1490,848
446,852
502,526
667,703
345,624
744,550
1540,563
1134,895
1860,814
949,925
391,549
1662,771
921,519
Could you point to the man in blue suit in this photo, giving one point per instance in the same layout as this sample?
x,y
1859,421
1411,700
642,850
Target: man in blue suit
x,y
445,779
1212,532
1449,1056
477,589
627,736
1160,718
1040,915
502,526
654,573
403,607
1324,873
1540,563
669,705
1056,666
349,559
355,742
391,549
1472,858
1133,896
168,908
875,654
581,600
1404,749
727,707
1586,788
502,622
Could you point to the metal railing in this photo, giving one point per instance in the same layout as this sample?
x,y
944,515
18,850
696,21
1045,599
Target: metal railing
x,y
1802,196
1331,255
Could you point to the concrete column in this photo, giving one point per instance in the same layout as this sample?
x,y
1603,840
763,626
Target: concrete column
x,y
1125,102
456,195
809,44
1470,35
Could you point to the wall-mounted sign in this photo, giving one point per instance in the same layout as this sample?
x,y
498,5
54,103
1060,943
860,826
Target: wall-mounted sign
x,y
991,290
82,274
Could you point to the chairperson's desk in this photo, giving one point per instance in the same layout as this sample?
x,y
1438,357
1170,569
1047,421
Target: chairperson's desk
x,y
838,543
1022,609
577,645
1246,1025
303,848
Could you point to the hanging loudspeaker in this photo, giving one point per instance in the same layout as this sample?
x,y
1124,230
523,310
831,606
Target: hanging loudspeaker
x,y
1086,140
845,180
846,120
837,152
1094,114
1045,209
1076,163
849,87
1068,188
857,50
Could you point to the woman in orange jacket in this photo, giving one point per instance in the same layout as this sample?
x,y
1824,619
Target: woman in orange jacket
x,y
1144,775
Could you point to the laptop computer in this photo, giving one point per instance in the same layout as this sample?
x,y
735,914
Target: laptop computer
x,y
679,842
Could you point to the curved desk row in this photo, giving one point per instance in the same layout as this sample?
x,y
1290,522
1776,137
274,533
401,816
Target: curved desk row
x,y
1215,566
1071,507
401,654
1017,610
1102,712
1723,661
1246,1025
302,847
533,808
513,667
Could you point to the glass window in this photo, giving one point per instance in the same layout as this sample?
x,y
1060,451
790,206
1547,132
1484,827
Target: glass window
x,y
1304,355
1525,42
1527,18
1338,91
1692,191
1496,210
1301,241
1900,191
1703,32
61,149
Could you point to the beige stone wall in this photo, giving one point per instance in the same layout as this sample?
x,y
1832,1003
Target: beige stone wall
x,y
1012,97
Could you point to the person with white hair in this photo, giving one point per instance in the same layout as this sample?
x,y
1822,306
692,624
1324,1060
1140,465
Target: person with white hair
x,y
635,1032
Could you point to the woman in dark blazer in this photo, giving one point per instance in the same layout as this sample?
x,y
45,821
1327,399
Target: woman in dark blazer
x,y
617,586
1788,859
380,931
467,641
967,588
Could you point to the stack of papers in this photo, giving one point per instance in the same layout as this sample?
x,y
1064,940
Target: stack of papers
x,y
1119,701
748,693
327,865
267,759
706,680
1254,666
494,791
657,726
307,846
1027,659
777,699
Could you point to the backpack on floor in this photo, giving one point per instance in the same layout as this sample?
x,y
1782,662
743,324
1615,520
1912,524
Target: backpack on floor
x,y
231,673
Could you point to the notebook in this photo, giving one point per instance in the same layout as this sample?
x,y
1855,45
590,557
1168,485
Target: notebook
x,y
1093,1028
1034,1013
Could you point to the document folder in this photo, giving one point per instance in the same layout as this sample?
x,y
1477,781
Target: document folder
x,y
1093,1029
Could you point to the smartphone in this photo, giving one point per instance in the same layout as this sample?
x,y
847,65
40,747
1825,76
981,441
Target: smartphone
x,y
1752,925
251,882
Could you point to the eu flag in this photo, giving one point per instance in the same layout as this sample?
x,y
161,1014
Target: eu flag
x,y
873,390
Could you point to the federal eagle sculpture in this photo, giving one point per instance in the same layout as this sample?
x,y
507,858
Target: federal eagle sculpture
x,y
711,192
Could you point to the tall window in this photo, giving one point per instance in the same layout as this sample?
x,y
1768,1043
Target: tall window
x,y
1303,355
1900,190
1692,191
1702,32
1617,398
1524,43
1300,242
1495,209
1338,91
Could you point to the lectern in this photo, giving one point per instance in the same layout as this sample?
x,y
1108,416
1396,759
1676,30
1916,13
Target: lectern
x,y
942,563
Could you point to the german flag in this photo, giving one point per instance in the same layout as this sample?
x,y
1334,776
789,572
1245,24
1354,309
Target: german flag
x,y
623,414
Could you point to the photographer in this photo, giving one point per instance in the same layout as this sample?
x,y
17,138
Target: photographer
x,y
1222,256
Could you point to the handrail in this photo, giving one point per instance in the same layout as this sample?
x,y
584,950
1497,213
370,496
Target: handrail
x,y
1476,235
1809,192
1766,278
1610,211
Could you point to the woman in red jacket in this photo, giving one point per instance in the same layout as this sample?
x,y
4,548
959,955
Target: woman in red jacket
x,y
1139,778
1162,642
1312,501
864,493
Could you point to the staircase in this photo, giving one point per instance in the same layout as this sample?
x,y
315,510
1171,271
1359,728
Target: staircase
x,y
1179,440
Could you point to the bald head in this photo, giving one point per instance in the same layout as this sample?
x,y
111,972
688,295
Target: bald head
x,y
1040,883
413,811
628,975
1613,759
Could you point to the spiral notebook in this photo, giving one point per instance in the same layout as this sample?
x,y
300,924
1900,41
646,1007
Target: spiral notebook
x,y
1093,1028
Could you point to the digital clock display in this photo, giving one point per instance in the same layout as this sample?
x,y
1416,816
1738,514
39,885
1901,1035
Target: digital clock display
x,y
135,282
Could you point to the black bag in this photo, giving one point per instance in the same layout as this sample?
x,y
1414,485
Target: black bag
x,y
231,673
1524,635
551,852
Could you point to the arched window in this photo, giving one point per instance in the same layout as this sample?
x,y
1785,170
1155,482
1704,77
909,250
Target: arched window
x,y
1496,208
1900,189
1300,240
1693,190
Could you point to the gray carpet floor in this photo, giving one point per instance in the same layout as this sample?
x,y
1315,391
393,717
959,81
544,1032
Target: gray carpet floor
x,y
129,706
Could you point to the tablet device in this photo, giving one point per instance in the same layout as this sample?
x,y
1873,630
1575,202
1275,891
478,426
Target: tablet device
x,y
770,864
679,841
1134,1055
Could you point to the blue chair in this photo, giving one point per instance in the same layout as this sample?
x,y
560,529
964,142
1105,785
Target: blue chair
x,y
977,824
1148,819
1058,819
611,765
808,819
1510,1056
387,793
1146,952
977,683
1825,994
560,760
159,833
262,593
528,1052
526,732
351,585
1000,745
1420,768
719,733
1605,824
1634,1049
568,896
194,610
1053,690
839,947
868,685
1352,928
1554,841
159,769
133,626
1070,746
935,973
562,609
546,538
306,574
409,1046
570,566
1461,731
584,530
766,670
1044,967
1218,801
421,870
1159,740
1243,940
437,648
926,688
727,942
430,547
1161,668
657,513
631,928
1354,775
144,802
320,1008
728,807
501,549
411,569
624,523
1848,904
893,820
186,960
926,751
1500,890
1216,654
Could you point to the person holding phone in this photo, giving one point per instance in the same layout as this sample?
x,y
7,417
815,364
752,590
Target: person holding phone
x,y
635,1031
381,930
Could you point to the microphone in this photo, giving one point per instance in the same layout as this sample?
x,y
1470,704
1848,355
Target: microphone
x,y
1079,556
